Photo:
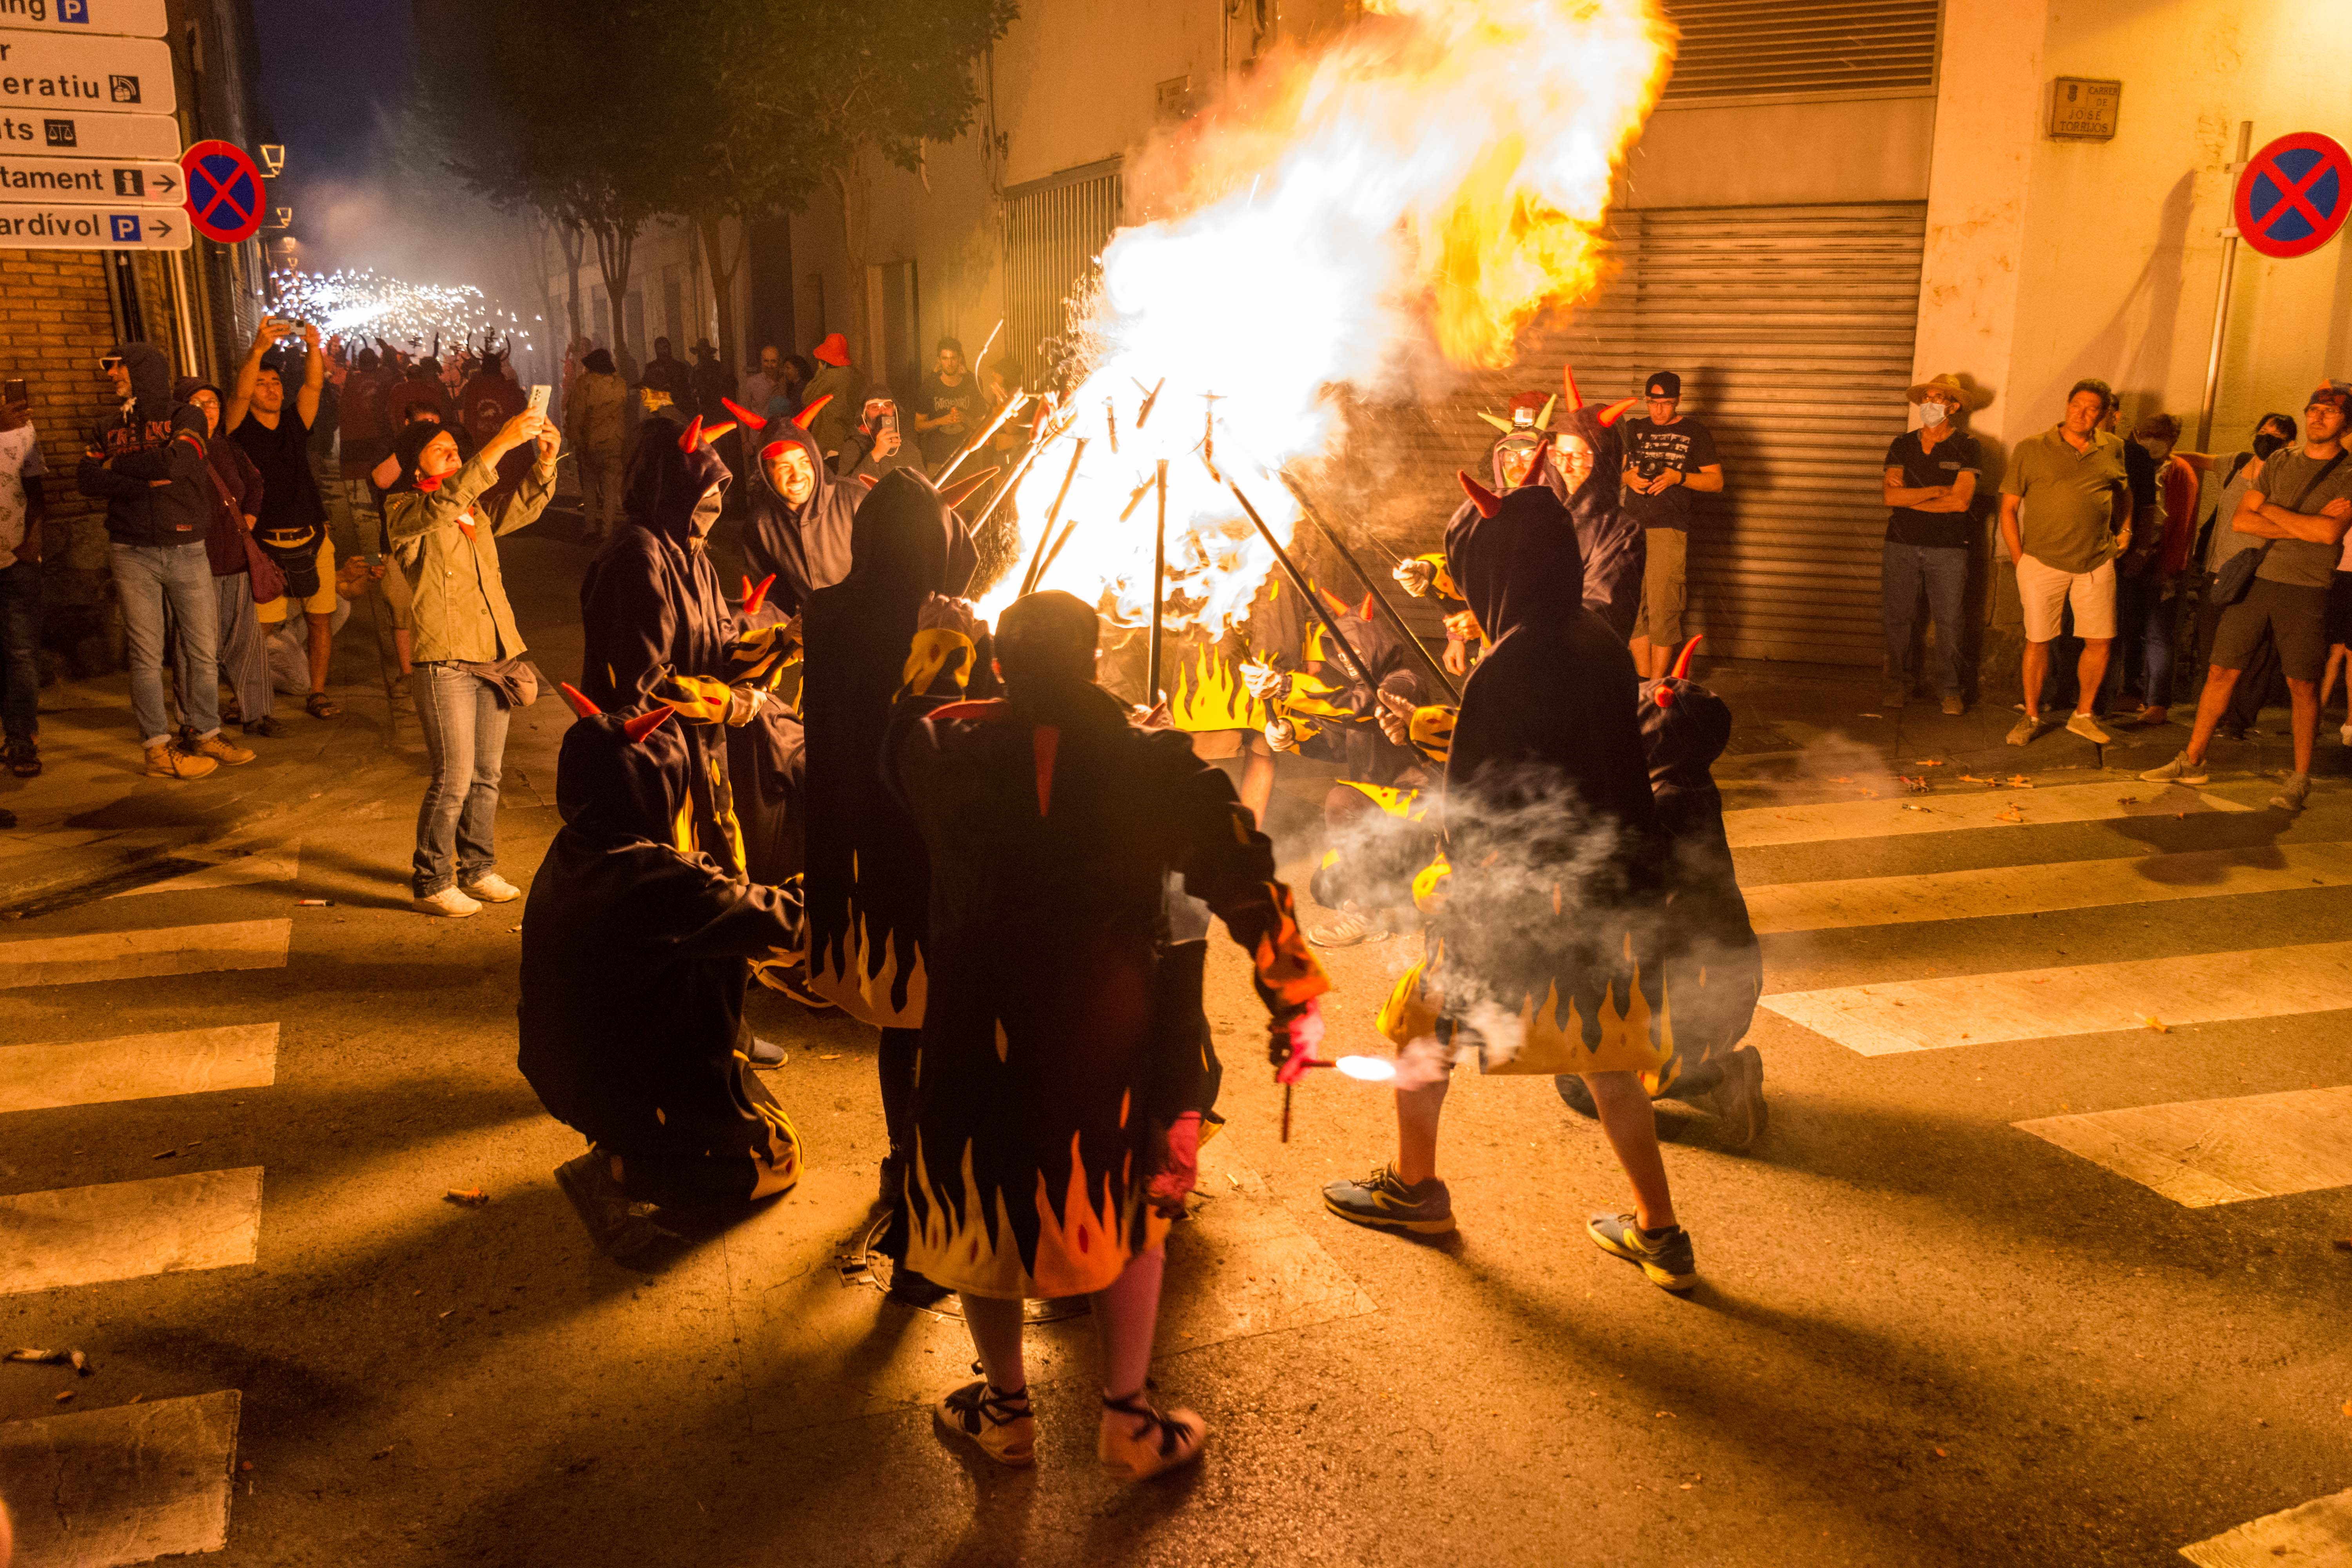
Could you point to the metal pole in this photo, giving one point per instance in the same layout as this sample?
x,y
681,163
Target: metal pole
x,y
2222,304
1159,587
1396,621
1341,649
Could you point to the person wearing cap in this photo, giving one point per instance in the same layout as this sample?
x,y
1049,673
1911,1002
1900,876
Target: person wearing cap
x,y
1667,457
2065,514
835,424
2301,509
1930,486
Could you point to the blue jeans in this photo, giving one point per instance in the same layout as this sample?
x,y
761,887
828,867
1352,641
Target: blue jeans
x,y
20,650
464,725
1944,573
2142,656
147,577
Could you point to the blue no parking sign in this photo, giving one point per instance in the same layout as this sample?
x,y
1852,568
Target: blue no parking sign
x,y
2292,195
225,198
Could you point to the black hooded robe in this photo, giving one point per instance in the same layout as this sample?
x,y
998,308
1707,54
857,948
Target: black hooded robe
x,y
1609,541
1680,738
634,954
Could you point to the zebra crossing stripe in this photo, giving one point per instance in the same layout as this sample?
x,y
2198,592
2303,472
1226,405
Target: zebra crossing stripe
x,y
2201,1152
281,865
1946,811
128,1230
137,1066
2318,1532
2042,888
99,1489
2078,999
142,954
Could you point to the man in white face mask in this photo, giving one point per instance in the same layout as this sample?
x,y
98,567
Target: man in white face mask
x,y
1930,490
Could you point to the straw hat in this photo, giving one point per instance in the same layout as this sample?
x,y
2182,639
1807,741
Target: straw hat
x,y
1946,383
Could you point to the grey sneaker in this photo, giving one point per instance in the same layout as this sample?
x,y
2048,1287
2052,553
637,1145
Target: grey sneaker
x,y
1738,1099
2024,730
2083,724
1665,1258
2181,770
1387,1203
2293,794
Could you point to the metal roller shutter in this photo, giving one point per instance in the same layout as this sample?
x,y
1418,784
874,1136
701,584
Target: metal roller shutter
x,y
1054,232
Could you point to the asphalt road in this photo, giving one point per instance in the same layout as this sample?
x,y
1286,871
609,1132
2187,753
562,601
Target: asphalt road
x,y
1928,1334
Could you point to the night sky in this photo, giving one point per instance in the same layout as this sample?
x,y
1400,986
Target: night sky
x,y
328,67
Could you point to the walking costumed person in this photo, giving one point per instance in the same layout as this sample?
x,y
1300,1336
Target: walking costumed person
x,y
1057,1121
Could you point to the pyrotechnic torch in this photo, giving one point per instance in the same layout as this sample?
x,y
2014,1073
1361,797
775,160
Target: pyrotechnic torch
x,y
1295,1053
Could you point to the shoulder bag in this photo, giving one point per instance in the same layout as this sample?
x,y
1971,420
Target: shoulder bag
x,y
269,582
2237,574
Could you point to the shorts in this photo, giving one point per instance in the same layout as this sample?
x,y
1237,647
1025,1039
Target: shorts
x,y
1659,619
2045,591
2340,609
1222,746
317,601
2296,618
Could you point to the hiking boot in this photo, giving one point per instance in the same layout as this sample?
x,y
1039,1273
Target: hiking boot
x,y
613,1223
166,761
2181,770
448,901
1665,1257
2083,724
1138,1442
997,1423
2294,794
492,889
24,759
1953,705
1383,1202
1738,1098
1896,695
1348,928
2024,730
220,751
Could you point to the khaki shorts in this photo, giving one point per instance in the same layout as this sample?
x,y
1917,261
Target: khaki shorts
x,y
1660,620
321,603
2045,591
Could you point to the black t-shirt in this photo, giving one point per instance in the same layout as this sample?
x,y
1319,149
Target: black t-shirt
x,y
941,442
1953,454
1650,450
290,508
2139,472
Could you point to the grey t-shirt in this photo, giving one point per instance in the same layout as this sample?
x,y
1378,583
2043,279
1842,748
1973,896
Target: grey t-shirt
x,y
2224,540
2287,481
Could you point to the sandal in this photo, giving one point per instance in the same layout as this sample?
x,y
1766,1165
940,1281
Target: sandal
x,y
1138,1442
321,706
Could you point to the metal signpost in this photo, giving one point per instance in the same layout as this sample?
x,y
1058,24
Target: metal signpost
x,y
2291,197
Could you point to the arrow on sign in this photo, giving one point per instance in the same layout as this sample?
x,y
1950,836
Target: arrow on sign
x,y
166,184
161,227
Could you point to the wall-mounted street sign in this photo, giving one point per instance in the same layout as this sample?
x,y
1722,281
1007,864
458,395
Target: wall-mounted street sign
x,y
52,135
2292,195
90,180
224,191
2084,108
140,18
96,75
25,225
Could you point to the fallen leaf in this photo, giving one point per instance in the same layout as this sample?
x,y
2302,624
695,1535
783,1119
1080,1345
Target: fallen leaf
x,y
245,1464
1941,1455
2150,1020
69,1393
451,1309
473,1197
2011,815
834,1058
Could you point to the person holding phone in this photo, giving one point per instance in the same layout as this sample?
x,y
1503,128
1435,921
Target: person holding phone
x,y
276,434
22,507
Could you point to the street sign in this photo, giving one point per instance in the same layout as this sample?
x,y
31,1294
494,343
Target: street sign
x,y
96,75
91,180
2292,195
25,225
224,191
53,135
140,19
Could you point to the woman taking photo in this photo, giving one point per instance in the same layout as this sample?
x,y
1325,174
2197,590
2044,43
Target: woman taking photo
x,y
466,653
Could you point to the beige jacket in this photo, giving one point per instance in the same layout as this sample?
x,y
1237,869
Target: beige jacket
x,y
449,551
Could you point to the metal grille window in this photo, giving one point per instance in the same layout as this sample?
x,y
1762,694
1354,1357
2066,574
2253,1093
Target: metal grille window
x,y
1743,50
1055,229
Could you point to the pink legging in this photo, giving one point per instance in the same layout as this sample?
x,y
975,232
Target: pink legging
x,y
1126,1315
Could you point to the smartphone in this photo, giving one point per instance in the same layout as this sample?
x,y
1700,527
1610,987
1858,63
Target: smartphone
x,y
539,400
13,392
883,414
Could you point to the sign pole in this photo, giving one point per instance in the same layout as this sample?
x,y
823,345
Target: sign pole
x,y
2222,304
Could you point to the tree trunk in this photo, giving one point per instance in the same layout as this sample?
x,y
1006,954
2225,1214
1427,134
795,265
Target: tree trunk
x,y
724,263
615,243
568,234
850,186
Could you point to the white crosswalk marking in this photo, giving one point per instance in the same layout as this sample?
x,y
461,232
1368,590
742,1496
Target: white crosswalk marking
x,y
128,1230
137,1066
1946,811
2199,1152
140,954
2044,887
2317,1534
123,1485
2080,999
278,866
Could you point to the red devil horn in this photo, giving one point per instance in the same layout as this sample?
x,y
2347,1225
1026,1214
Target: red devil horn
x,y
954,494
869,481
1568,386
693,436
1480,496
578,699
718,432
755,597
644,724
1536,460
744,416
1663,695
1682,665
1616,411
801,420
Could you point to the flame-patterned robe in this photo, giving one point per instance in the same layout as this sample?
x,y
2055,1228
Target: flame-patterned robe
x,y
1047,1076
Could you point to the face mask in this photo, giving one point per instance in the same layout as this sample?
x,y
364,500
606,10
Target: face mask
x,y
1933,413
2266,443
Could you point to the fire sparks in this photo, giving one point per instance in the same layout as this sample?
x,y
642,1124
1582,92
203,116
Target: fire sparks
x,y
362,304
1428,181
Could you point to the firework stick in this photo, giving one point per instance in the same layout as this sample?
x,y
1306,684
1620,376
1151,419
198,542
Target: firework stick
x,y
1020,472
1037,561
1307,510
1341,647
1286,1112
1158,586
1011,407
973,368
1054,555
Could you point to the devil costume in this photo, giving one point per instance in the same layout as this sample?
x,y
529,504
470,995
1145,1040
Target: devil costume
x,y
634,952
1048,1073
804,547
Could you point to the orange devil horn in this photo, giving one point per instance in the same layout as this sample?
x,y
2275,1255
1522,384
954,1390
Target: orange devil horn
x,y
693,436
954,494
1567,384
869,481
755,597
1536,459
1682,665
1663,695
644,724
1616,411
578,699
744,416
717,432
1480,496
801,420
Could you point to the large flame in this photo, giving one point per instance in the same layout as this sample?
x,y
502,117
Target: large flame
x,y
1436,175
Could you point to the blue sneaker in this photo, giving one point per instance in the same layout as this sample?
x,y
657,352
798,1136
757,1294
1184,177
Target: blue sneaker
x,y
1382,1201
1665,1258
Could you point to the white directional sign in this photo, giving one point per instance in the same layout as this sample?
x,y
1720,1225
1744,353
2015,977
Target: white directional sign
x,y
26,227
91,180
140,18
98,74
55,135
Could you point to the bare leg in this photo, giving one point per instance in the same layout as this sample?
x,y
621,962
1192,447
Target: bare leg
x,y
2328,678
2091,669
322,647
1639,648
1257,782
1126,1315
2218,684
995,1329
1417,1113
1632,1130
2037,670
2302,696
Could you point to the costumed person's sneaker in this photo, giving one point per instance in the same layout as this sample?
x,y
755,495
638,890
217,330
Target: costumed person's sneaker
x,y
2181,770
1665,1258
998,1423
2025,731
909,1288
449,902
1381,1200
613,1223
166,761
1348,928
2083,724
765,1053
1576,1096
1738,1097
1138,1442
492,889
2294,794
220,751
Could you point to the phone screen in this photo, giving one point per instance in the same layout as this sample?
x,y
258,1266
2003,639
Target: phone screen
x,y
539,400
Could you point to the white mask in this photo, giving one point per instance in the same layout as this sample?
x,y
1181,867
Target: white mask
x,y
1933,413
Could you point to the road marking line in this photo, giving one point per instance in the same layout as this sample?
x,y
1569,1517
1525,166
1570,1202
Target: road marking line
x,y
127,1484
2080,999
141,954
2318,1532
137,1066
1754,827
2201,1152
2042,888
283,866
128,1230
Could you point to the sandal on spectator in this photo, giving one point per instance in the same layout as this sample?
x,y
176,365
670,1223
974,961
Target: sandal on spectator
x,y
321,706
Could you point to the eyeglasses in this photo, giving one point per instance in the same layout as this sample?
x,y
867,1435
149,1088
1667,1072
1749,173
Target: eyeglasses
x,y
109,363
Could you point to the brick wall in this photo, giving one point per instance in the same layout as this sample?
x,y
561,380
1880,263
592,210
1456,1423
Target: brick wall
x,y
54,321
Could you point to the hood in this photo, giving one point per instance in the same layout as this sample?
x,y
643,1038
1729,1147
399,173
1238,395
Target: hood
x,y
612,788
777,434
907,538
666,484
1519,567
1682,737
151,375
